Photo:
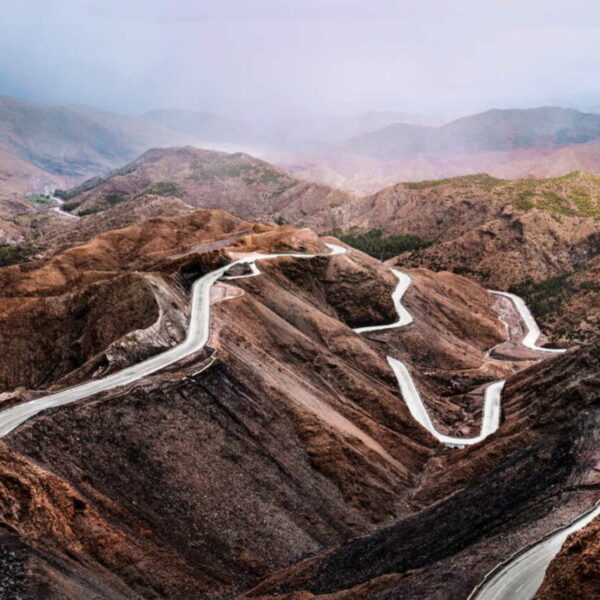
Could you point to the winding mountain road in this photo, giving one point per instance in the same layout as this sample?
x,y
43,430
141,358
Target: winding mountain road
x,y
520,576
517,579
491,407
196,338
404,317
49,191
410,393
533,331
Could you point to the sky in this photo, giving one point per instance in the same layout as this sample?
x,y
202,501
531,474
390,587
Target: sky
x,y
264,57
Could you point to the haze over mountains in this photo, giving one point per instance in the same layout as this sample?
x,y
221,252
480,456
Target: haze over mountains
x,y
360,154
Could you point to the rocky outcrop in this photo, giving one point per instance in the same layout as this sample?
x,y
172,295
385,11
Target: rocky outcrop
x,y
573,573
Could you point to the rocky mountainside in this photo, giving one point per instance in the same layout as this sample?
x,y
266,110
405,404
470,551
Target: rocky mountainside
x,y
485,503
503,233
541,236
245,185
286,437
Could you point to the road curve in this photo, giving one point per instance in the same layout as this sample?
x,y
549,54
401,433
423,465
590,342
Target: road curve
x,y
491,407
520,577
410,394
49,191
533,331
404,317
196,338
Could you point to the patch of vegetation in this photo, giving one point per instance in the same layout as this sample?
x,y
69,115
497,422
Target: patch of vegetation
x,y
90,211
269,176
284,188
165,188
69,206
10,255
222,168
482,179
465,270
372,242
545,297
589,286
553,202
28,218
112,199
524,201
574,194
40,200
584,201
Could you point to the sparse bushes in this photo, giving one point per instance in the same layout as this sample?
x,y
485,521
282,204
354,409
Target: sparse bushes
x,y
89,211
483,179
165,188
545,297
39,200
68,206
10,255
113,199
372,242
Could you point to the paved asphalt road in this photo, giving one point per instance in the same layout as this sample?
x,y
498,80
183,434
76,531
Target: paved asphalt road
x,y
196,338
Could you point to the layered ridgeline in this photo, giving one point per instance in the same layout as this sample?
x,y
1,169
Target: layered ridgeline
x,y
490,131
240,183
513,143
538,236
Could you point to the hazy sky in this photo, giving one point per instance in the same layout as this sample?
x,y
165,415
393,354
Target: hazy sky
x,y
337,56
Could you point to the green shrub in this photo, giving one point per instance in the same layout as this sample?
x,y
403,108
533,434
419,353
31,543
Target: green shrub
x,y
165,188
113,199
89,211
372,242
68,206
10,255
544,297
40,200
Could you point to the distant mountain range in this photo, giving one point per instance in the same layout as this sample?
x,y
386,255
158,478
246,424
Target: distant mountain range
x,y
62,146
491,131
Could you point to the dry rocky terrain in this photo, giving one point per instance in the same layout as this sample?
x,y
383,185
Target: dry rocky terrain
x,y
247,186
294,442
